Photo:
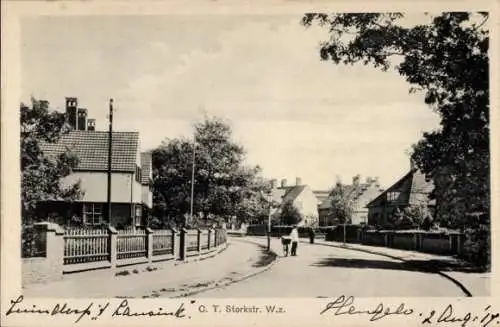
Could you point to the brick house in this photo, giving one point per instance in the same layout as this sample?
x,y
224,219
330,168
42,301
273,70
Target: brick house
x,y
411,189
361,194
302,197
130,193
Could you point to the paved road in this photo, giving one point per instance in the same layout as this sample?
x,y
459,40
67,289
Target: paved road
x,y
238,259
323,271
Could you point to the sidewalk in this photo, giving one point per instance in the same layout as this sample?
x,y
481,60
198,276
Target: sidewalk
x,y
472,282
238,261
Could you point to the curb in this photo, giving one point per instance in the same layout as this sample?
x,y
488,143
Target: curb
x,y
441,273
244,277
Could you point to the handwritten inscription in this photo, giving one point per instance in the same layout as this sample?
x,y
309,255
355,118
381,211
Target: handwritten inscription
x,y
93,310
344,305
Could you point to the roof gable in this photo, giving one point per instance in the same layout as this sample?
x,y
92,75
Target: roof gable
x,y
288,193
91,147
413,183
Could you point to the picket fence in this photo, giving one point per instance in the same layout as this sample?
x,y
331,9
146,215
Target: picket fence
x,y
80,249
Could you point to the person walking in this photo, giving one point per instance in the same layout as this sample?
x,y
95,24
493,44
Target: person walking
x,y
311,235
294,236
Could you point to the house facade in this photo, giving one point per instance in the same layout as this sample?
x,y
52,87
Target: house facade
x,y
360,193
146,184
301,196
128,198
412,189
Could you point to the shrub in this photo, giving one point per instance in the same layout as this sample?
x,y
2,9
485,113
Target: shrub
x,y
476,247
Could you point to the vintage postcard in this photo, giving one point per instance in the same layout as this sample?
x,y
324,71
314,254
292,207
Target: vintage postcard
x,y
254,163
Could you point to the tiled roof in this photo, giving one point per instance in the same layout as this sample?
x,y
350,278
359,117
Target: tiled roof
x,y
351,191
321,195
288,193
415,184
91,147
146,161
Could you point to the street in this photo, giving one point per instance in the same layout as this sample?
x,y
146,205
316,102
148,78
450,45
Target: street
x,y
323,271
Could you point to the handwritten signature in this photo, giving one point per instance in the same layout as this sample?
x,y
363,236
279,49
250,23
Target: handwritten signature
x,y
92,310
344,305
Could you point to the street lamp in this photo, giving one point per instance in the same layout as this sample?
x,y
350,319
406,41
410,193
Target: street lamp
x,y
270,202
110,151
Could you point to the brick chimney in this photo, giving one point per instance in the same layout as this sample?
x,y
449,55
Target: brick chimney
x,y
71,111
90,124
298,181
82,119
283,183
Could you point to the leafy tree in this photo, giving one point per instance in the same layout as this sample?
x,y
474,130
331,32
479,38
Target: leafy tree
x,y
342,203
289,214
223,185
447,59
41,174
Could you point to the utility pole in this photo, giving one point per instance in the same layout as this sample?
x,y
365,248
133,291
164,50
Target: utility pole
x,y
269,224
110,147
192,179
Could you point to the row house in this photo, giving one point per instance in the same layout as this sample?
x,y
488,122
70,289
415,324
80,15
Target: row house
x,y
301,196
411,189
131,175
360,195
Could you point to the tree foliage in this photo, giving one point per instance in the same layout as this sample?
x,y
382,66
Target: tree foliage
x,y
289,214
447,59
41,174
223,185
342,203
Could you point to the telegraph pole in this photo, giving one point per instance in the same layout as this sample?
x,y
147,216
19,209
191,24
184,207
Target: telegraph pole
x,y
110,145
192,179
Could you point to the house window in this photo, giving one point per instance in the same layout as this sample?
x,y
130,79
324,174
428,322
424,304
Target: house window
x,y
392,196
138,215
92,213
138,174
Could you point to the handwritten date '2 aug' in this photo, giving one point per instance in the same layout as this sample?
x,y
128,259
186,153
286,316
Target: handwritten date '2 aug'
x,y
344,305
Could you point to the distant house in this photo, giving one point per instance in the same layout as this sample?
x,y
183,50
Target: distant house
x,y
360,193
129,197
321,195
301,196
147,184
412,189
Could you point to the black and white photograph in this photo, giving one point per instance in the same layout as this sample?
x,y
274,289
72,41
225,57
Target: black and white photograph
x,y
248,156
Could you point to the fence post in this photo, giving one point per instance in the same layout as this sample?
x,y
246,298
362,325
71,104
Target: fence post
x,y
54,250
149,244
113,245
216,234
209,237
183,244
174,241
198,240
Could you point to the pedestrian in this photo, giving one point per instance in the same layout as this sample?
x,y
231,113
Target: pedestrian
x,y
311,235
294,236
285,241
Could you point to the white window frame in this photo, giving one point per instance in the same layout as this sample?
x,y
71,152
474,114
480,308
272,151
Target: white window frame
x,y
393,196
137,218
92,213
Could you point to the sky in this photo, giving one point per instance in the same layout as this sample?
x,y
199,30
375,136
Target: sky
x,y
296,116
